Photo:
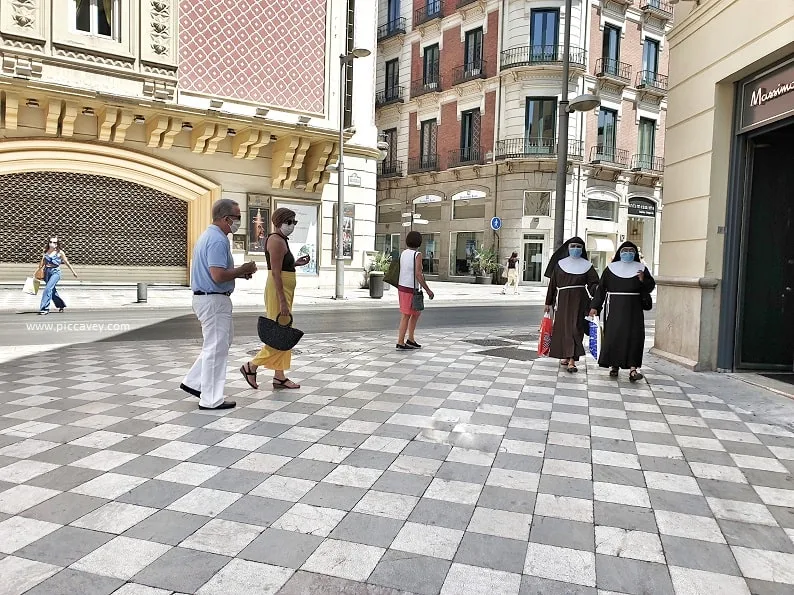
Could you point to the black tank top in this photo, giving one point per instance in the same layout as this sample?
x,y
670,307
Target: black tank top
x,y
288,264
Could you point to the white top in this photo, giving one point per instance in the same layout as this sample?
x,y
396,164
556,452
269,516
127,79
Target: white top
x,y
575,266
407,272
626,270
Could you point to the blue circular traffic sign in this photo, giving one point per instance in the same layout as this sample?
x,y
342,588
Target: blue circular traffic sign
x,y
496,223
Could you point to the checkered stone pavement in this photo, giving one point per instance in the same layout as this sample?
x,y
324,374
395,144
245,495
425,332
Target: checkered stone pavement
x,y
447,470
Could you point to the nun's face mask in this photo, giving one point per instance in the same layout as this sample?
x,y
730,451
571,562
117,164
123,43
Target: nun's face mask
x,y
575,250
627,255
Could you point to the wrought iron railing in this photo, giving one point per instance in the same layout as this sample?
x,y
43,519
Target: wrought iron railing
x,y
609,155
392,28
389,95
609,67
465,156
648,79
429,83
433,9
469,71
423,163
658,7
647,163
536,147
390,169
529,55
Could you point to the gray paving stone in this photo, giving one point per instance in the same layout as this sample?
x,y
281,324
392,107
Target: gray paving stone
x,y
525,435
532,585
167,526
235,480
427,450
218,456
632,576
155,493
758,587
64,478
563,533
443,514
63,434
756,536
322,422
283,447
407,484
415,573
489,551
146,466
783,481
133,427
783,515
194,419
264,428
394,431
281,548
303,583
683,503
333,496
181,569
518,462
507,499
567,453
634,518
566,486
713,457
367,529
701,555
139,445
349,439
64,546
205,436
64,454
728,490
621,475
626,446
64,508
69,581
665,465
370,459
254,510
654,438
463,472
306,469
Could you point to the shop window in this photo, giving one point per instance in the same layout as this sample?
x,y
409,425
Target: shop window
x,y
464,246
389,214
537,204
471,208
98,17
430,250
602,210
387,242
429,212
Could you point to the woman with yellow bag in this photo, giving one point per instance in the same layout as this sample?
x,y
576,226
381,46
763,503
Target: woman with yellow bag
x,y
279,294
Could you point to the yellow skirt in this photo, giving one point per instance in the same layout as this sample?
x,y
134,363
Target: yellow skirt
x,y
270,358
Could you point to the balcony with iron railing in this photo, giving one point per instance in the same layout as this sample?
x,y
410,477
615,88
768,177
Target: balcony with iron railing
x,y
422,164
389,95
469,71
390,169
391,29
433,9
658,8
466,156
464,3
429,83
525,147
652,82
612,69
541,55
609,155
647,163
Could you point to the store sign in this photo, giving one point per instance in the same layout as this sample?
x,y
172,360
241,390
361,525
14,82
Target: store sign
x,y
642,207
427,198
768,97
468,195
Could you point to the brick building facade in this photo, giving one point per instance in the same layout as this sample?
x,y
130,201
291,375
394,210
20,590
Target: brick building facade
x,y
468,94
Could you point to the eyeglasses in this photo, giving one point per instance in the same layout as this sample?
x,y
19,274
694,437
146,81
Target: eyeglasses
x,y
291,222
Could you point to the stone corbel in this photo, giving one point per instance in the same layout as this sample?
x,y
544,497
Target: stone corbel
x,y
154,129
297,163
253,150
11,112
169,134
243,140
315,163
198,138
123,122
281,160
215,138
68,117
105,120
52,116
325,175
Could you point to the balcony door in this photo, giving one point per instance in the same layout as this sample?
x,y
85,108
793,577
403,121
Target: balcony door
x,y
610,51
607,134
390,163
392,79
428,147
539,125
473,50
470,136
394,13
646,144
544,34
650,60
430,67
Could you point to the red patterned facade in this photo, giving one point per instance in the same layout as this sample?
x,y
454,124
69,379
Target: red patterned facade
x,y
264,51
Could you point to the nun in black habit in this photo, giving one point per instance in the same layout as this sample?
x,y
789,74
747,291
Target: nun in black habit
x,y
572,281
619,295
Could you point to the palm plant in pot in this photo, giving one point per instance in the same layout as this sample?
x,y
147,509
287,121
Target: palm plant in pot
x,y
486,263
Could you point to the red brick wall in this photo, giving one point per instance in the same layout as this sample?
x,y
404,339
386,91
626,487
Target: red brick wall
x,y
448,133
596,36
451,55
413,137
416,62
628,130
491,44
488,122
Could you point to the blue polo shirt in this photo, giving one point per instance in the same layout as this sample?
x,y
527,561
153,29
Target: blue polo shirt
x,y
211,250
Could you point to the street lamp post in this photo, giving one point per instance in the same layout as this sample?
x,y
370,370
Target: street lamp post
x,y
581,103
345,60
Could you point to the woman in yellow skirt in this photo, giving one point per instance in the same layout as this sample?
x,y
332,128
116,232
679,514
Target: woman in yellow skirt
x,y
279,293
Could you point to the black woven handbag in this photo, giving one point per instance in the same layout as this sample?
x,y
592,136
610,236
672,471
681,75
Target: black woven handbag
x,y
276,335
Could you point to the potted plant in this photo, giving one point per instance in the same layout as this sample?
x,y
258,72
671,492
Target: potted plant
x,y
486,263
380,262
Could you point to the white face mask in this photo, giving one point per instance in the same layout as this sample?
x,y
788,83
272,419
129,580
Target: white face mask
x,y
287,229
235,225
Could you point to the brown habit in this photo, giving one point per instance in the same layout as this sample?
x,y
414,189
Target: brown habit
x,y
572,305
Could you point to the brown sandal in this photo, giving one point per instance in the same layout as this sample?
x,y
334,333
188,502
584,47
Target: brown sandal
x,y
278,383
245,369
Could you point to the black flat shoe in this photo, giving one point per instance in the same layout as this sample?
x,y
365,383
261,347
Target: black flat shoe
x,y
634,376
405,347
413,344
572,369
190,391
613,373
224,405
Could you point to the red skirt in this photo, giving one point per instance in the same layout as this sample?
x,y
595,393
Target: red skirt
x,y
406,295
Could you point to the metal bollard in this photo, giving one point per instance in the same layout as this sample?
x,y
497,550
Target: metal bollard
x,y
142,293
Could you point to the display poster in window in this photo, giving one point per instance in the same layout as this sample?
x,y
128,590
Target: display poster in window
x,y
430,249
471,249
348,221
258,223
304,239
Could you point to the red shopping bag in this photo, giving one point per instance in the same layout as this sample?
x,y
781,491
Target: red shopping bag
x,y
544,341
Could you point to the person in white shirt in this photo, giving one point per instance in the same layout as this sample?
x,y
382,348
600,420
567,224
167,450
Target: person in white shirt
x,y
410,276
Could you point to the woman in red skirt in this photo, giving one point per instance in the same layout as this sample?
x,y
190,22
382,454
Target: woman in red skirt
x,y
411,277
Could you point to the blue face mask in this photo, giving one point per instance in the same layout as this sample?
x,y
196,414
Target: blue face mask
x,y
627,256
575,252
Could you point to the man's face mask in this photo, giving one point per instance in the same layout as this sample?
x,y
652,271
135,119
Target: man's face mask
x,y
235,225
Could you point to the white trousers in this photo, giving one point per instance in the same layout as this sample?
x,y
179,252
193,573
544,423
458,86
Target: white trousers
x,y
512,279
208,373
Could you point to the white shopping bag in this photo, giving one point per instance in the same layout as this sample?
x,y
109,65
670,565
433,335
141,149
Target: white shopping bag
x,y
596,335
31,286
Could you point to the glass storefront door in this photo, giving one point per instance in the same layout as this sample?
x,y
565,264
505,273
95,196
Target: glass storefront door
x,y
533,258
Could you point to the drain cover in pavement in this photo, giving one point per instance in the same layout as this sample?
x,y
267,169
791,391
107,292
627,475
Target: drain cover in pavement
x,y
511,353
490,342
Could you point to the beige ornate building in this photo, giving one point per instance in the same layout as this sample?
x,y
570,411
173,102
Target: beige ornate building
x,y
123,120
726,282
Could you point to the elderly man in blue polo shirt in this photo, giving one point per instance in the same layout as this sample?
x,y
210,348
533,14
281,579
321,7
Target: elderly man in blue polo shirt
x,y
212,275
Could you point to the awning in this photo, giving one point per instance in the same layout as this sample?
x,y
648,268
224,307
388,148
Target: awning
x,y
600,244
